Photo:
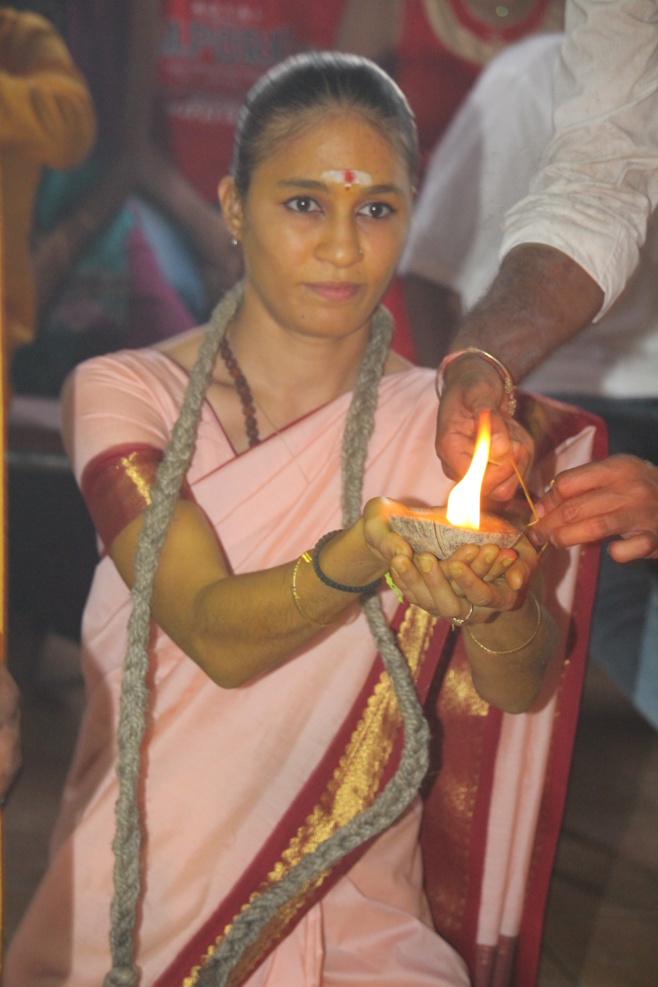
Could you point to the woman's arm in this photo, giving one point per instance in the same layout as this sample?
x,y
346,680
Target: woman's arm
x,y
237,626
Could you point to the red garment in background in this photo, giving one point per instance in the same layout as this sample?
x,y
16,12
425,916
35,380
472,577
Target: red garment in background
x,y
210,55
435,78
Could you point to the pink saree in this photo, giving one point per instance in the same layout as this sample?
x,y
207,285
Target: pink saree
x,y
240,784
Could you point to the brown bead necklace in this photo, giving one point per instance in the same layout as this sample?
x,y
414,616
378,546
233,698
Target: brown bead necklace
x,y
243,389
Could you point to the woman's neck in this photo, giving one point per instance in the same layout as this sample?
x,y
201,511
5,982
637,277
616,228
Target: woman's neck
x,y
289,373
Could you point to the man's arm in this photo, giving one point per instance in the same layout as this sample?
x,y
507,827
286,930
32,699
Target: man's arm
x,y
571,245
539,299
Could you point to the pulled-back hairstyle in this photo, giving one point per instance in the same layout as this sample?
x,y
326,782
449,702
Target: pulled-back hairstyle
x,y
286,99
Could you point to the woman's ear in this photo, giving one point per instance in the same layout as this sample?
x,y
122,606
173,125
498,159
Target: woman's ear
x,y
231,205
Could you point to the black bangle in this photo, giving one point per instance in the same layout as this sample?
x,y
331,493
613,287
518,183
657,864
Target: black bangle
x,y
369,588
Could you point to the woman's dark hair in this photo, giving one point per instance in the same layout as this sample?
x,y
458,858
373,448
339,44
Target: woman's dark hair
x,y
279,105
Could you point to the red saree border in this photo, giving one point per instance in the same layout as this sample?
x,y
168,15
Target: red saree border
x,y
562,742
415,634
456,810
454,855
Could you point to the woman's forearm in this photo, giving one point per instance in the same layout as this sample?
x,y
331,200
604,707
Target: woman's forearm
x,y
509,655
237,626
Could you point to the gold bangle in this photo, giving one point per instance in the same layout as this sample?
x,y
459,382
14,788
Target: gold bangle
x,y
304,557
519,647
505,375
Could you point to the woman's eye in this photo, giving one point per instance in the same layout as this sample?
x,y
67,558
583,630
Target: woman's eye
x,y
302,203
376,210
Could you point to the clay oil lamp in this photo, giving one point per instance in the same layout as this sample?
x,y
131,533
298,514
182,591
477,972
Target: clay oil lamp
x,y
442,531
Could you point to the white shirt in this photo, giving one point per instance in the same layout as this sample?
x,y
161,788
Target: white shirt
x,y
599,181
483,165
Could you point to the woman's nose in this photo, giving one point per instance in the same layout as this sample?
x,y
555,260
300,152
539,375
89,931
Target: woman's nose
x,y
339,242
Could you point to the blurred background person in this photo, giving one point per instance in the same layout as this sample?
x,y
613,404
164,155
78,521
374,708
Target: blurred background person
x,y
133,247
46,119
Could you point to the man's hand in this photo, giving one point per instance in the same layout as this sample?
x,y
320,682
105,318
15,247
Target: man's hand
x,y
615,498
539,299
471,385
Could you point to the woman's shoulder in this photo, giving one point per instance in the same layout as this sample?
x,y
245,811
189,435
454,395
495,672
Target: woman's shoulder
x,y
131,397
149,366
130,386
400,373
183,349
395,363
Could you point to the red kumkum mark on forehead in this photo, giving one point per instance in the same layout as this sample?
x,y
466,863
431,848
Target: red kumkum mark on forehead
x,y
347,177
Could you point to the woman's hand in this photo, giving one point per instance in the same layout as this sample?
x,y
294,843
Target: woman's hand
x,y
486,588
489,578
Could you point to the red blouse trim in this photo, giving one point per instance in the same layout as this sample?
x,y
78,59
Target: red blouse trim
x,y
116,487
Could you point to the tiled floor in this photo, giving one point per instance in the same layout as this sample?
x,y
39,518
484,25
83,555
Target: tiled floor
x,y
602,923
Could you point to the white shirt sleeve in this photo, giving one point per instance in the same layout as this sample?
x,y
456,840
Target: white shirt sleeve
x,y
598,185
481,167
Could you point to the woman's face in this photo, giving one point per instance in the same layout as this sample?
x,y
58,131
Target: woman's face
x,y
322,226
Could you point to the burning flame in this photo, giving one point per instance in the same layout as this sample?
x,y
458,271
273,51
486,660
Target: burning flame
x,y
464,501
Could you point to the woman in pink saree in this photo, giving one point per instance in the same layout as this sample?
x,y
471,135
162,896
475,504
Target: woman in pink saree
x,y
272,721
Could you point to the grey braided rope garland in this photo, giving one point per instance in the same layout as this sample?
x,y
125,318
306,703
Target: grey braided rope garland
x,y
133,713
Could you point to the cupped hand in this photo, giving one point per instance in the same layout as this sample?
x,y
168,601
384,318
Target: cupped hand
x,y
383,543
470,387
488,577
613,498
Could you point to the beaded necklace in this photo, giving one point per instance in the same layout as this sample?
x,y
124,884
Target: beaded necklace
x,y
243,389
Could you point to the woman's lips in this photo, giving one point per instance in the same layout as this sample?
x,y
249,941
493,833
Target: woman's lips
x,y
334,291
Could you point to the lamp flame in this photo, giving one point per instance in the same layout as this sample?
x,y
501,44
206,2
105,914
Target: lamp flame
x,y
463,508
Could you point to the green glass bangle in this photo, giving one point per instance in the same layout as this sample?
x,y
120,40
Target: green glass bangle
x,y
369,588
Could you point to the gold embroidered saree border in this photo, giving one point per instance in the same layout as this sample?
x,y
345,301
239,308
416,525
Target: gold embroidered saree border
x,y
353,787
450,806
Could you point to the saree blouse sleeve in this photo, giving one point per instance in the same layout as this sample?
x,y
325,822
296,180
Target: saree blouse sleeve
x,y
116,487
117,415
